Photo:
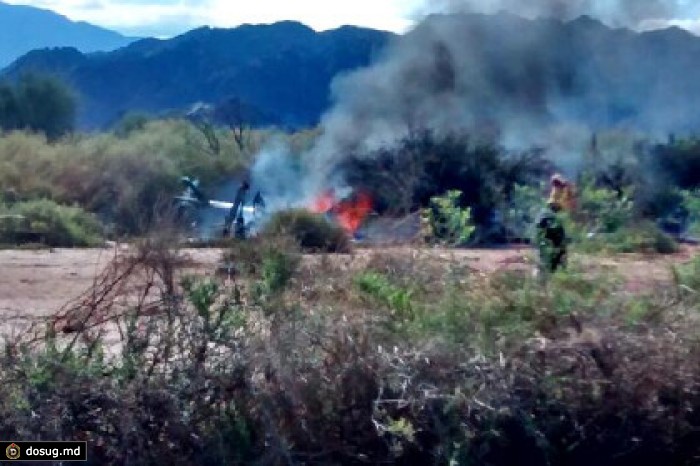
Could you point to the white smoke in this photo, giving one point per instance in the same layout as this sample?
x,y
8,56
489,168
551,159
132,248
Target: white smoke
x,y
276,173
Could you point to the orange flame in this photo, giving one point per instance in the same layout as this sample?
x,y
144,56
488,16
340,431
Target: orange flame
x,y
324,202
349,213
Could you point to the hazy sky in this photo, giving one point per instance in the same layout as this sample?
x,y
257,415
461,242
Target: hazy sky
x,y
164,18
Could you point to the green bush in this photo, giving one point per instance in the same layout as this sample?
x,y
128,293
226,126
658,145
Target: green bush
x,y
44,221
448,222
642,237
690,210
278,268
378,287
603,210
607,221
312,232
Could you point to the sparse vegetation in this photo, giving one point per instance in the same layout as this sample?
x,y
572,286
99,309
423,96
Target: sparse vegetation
x,y
414,362
124,180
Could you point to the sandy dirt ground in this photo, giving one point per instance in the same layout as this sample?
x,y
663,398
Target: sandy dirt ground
x,y
38,283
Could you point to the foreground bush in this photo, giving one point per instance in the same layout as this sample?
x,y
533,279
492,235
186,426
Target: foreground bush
x,y
313,232
48,223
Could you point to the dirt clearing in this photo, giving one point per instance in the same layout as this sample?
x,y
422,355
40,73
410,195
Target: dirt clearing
x,y
39,282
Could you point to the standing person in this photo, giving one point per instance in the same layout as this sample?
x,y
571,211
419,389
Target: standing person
x,y
551,239
562,193
234,219
551,234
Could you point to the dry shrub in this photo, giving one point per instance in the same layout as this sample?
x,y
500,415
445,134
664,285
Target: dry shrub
x,y
313,232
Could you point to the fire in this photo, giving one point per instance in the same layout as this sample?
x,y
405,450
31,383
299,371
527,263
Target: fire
x,y
349,213
324,202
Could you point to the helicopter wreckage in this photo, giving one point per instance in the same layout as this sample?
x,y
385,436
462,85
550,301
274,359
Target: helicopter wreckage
x,y
202,215
243,217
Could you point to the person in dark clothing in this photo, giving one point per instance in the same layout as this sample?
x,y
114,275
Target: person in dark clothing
x,y
234,219
551,239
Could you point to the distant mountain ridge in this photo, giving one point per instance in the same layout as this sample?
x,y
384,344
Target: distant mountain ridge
x,y
26,28
283,70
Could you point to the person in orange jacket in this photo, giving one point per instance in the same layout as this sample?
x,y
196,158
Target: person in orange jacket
x,y
562,195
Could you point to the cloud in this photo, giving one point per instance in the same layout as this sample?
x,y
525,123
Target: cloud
x,y
170,17
164,18
691,25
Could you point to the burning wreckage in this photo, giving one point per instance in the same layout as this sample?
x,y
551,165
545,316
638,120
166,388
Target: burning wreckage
x,y
202,215
197,211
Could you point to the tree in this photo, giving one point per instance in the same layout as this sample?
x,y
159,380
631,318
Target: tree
x,y
45,105
129,123
202,117
237,115
407,175
10,117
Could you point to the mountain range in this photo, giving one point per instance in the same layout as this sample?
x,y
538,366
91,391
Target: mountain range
x,y
283,70
286,70
25,28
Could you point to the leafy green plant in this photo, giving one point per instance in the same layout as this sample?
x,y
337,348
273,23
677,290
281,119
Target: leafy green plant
x,y
604,210
449,223
377,286
278,268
